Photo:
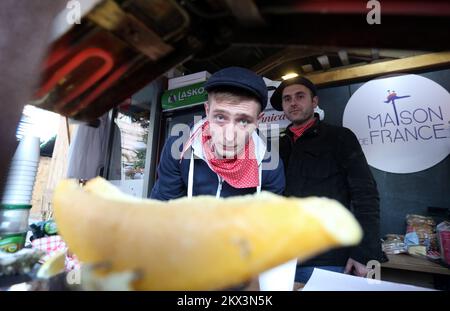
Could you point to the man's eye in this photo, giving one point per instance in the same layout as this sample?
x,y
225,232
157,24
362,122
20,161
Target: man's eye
x,y
287,99
243,122
219,118
300,96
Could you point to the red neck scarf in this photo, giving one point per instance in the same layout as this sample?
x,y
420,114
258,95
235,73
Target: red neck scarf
x,y
239,172
299,130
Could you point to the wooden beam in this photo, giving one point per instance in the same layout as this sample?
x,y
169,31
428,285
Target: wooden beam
x,y
382,53
388,67
246,12
283,56
110,16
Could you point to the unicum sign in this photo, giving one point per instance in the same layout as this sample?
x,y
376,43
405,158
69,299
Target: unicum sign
x,y
402,122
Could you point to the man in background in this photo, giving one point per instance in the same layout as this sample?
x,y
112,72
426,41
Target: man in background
x,y
327,161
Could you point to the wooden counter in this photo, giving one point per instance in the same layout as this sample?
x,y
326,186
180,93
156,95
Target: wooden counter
x,y
411,263
403,268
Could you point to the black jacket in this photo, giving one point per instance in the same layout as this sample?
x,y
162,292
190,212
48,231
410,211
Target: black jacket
x,y
328,161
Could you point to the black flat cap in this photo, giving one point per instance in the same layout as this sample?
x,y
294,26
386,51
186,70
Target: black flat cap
x,y
275,100
240,78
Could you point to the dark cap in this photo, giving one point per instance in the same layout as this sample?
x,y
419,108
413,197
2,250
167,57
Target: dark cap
x,y
240,78
276,98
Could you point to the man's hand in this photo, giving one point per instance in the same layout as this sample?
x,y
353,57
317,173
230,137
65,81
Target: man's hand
x,y
355,268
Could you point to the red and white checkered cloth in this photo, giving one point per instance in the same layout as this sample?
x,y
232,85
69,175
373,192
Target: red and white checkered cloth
x,y
52,244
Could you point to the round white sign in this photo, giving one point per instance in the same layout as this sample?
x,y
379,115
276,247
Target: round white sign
x,y
402,122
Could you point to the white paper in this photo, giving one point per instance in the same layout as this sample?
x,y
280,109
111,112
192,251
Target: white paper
x,y
323,280
280,278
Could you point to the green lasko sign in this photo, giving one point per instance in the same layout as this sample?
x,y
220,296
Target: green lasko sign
x,y
184,96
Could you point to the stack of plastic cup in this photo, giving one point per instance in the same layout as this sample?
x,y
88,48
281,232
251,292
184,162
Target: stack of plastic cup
x,y
16,201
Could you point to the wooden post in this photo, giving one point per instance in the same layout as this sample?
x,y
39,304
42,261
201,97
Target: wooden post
x,y
58,165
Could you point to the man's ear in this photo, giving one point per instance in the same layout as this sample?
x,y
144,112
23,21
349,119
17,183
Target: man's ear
x,y
206,109
315,101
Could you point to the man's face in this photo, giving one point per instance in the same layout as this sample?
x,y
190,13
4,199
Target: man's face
x,y
298,103
231,124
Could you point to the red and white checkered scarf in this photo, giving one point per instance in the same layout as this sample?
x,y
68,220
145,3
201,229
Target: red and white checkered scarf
x,y
239,172
299,130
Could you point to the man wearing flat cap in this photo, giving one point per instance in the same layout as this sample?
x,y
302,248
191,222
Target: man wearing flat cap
x,y
223,155
327,161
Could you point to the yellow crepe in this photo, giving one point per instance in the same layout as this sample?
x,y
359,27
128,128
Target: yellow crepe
x,y
201,243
